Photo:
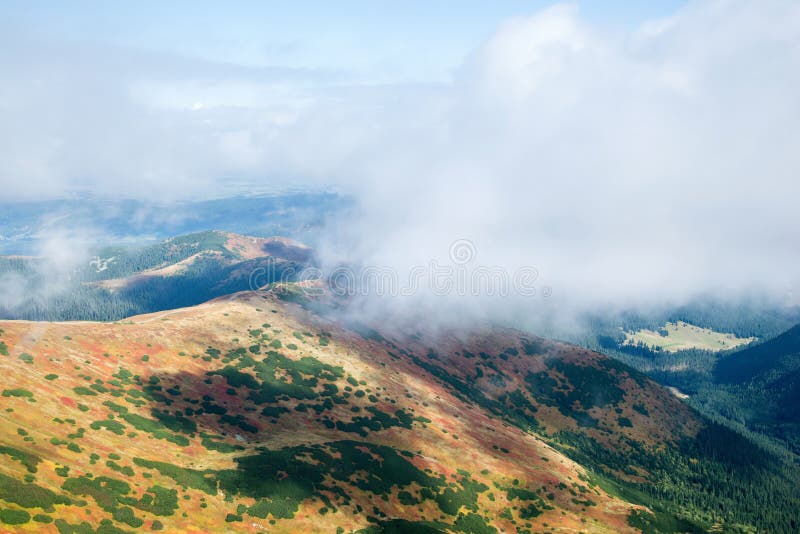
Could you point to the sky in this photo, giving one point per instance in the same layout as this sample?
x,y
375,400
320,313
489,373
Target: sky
x,y
628,151
182,98
368,41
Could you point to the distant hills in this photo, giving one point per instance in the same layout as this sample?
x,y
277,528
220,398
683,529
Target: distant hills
x,y
760,362
120,281
754,387
273,411
766,378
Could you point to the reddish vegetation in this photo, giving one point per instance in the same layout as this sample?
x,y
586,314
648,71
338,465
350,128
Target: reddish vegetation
x,y
450,433
248,248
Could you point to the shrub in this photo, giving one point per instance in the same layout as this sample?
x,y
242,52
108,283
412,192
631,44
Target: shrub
x,y
624,422
28,495
19,392
30,461
14,517
113,426
125,515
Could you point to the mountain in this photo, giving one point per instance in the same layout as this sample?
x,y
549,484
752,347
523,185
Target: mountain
x,y
779,353
120,281
274,411
765,379
230,257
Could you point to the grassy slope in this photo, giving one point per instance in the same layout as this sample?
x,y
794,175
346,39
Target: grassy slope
x,y
765,379
762,359
312,444
684,336
256,466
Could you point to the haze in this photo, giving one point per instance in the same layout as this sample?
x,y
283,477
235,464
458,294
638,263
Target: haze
x,y
630,159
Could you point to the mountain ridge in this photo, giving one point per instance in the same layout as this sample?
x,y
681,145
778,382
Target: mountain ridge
x,y
385,424
220,388
118,282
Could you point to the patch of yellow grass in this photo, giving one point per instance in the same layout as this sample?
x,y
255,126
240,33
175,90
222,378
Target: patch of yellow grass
x,y
684,336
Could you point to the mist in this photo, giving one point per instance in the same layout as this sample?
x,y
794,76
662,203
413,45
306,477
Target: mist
x,y
636,170
48,274
627,168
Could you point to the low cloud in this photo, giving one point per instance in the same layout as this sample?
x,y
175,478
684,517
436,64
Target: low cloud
x,y
630,170
31,282
627,168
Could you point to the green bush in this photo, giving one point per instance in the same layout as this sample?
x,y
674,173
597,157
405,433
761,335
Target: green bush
x,y
126,515
28,495
30,461
113,426
220,446
14,517
624,422
18,392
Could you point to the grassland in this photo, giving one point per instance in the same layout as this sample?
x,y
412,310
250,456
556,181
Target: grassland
x,y
206,420
260,412
679,336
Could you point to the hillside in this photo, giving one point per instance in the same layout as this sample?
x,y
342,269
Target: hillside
x,y
679,336
159,259
263,411
679,345
765,382
117,282
760,360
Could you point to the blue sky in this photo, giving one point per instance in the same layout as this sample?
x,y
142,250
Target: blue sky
x,y
370,41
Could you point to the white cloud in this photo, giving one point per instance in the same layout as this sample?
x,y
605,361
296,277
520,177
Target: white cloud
x,y
625,167
51,272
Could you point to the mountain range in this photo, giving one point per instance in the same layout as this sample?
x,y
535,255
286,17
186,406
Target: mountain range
x,y
273,410
115,282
